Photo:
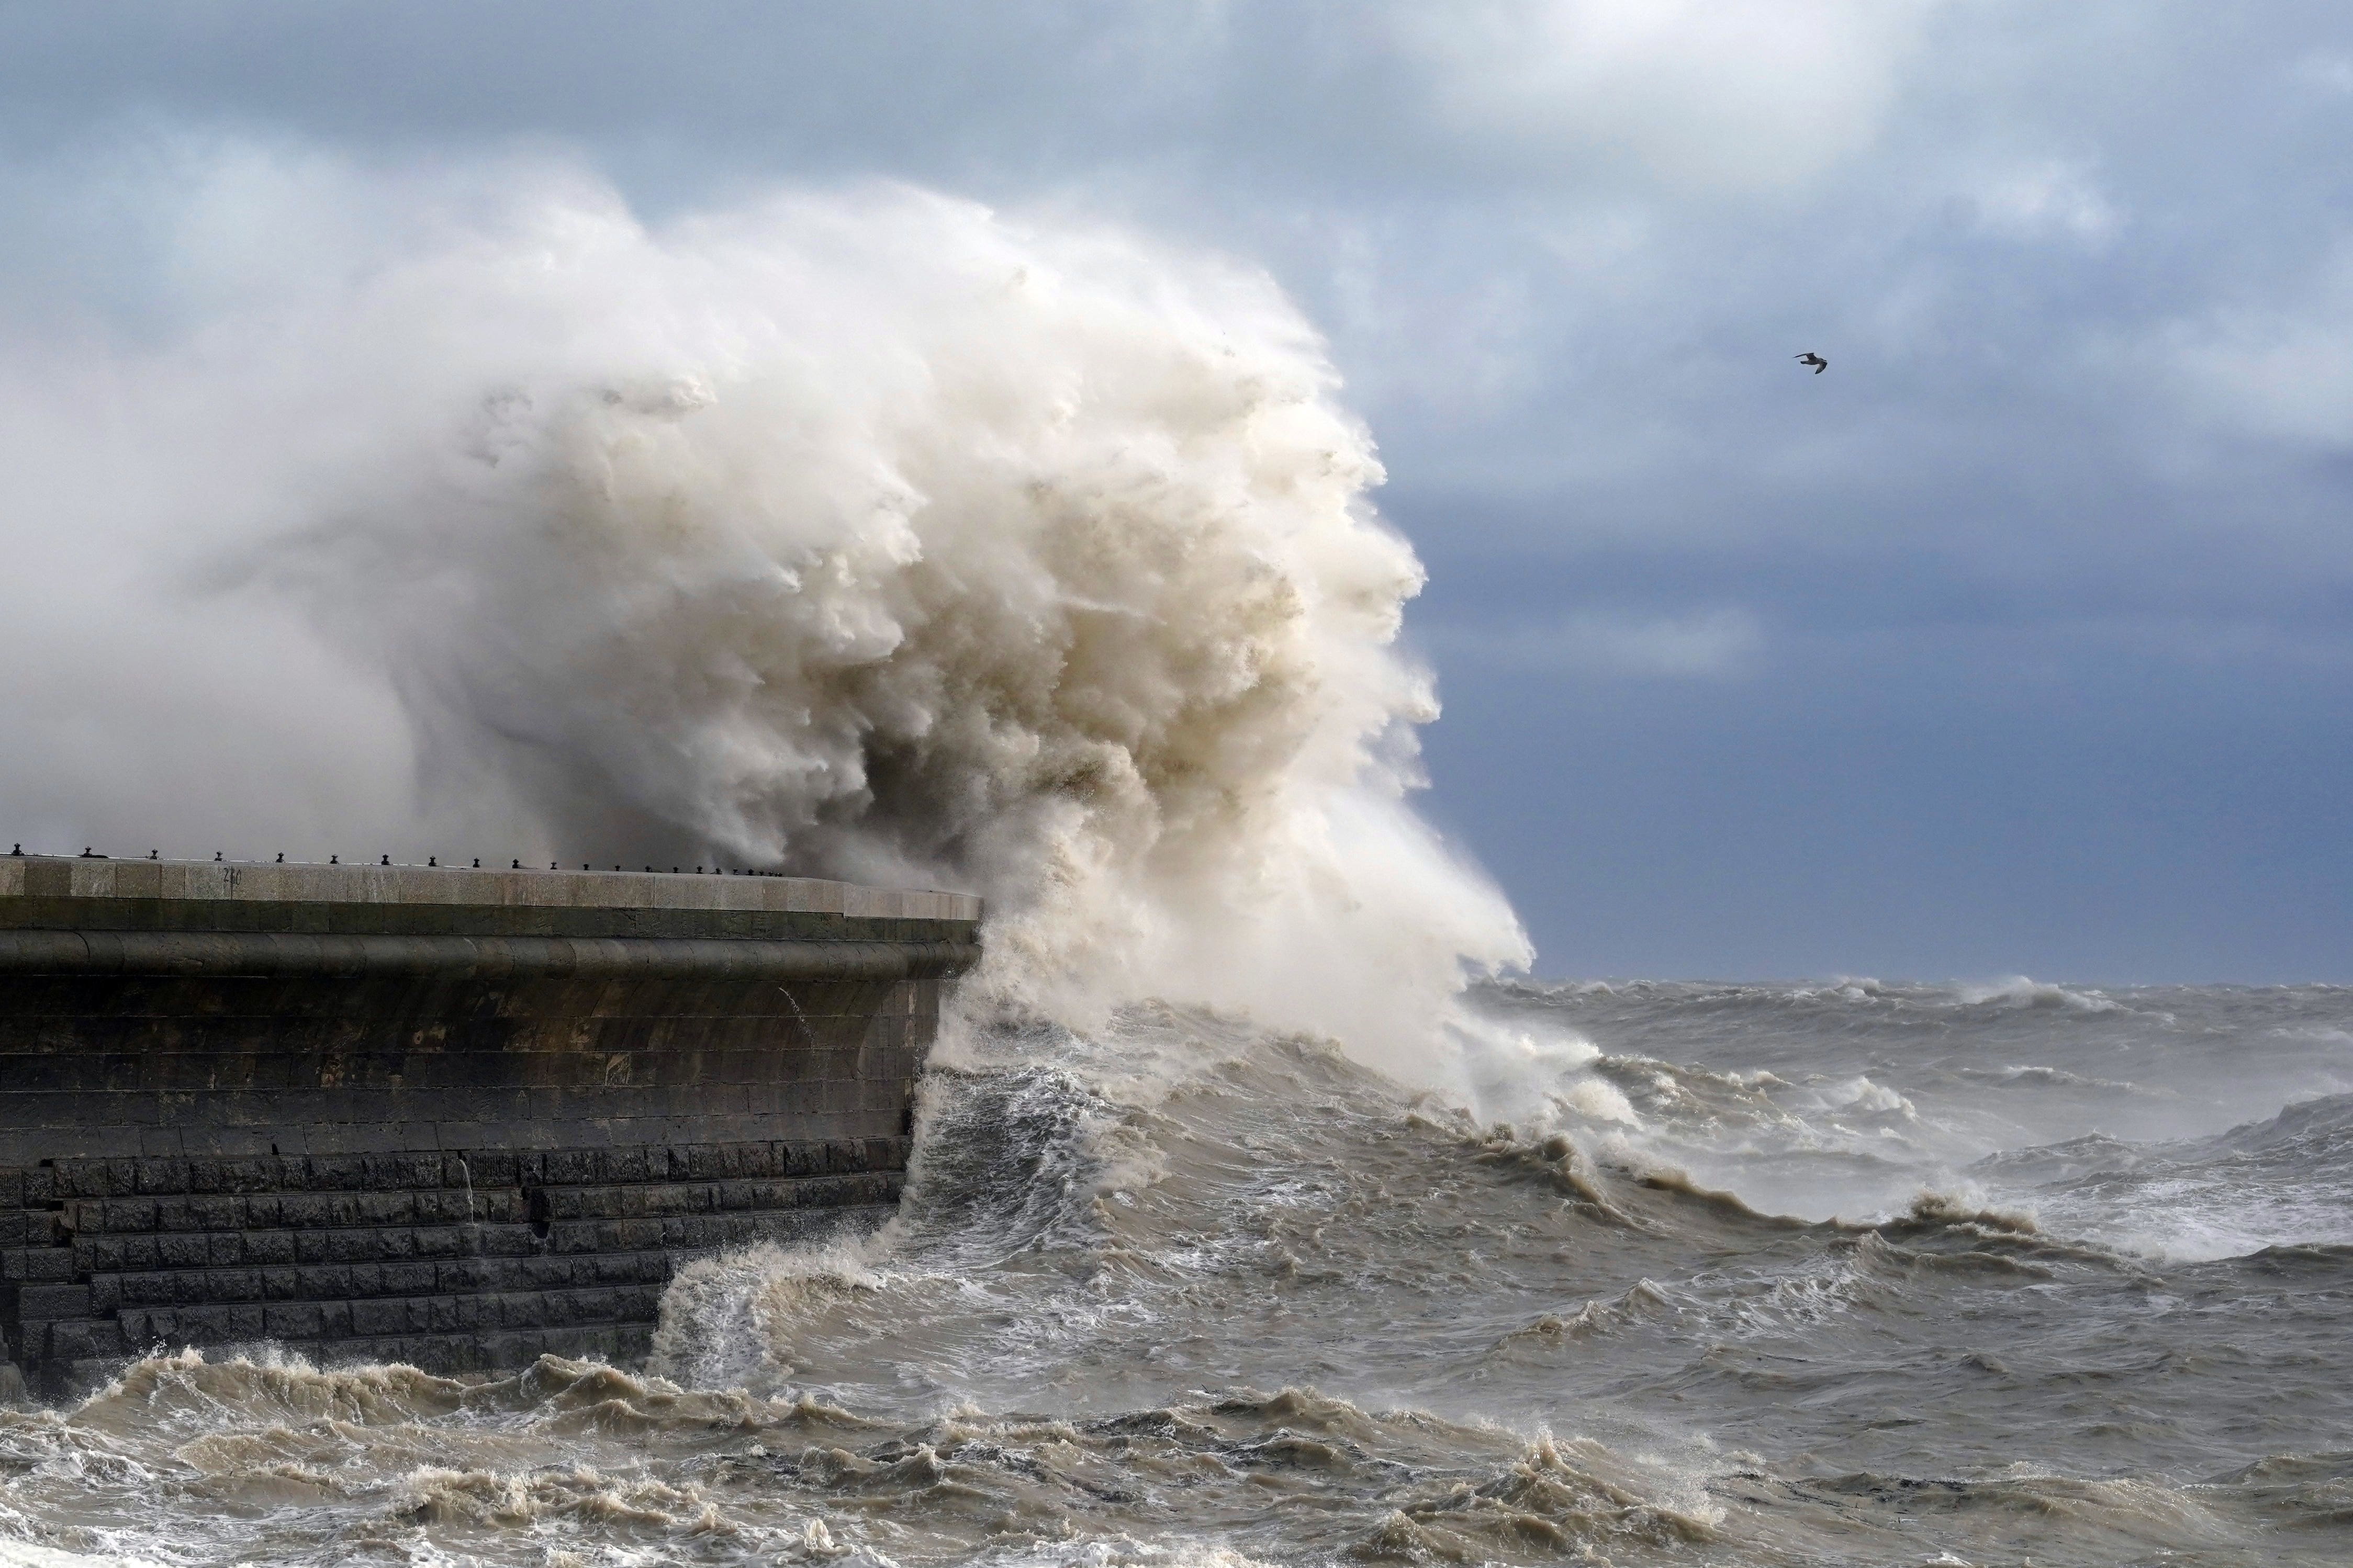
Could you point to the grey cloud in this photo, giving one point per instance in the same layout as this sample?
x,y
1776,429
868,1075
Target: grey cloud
x,y
1702,644
2281,367
1446,95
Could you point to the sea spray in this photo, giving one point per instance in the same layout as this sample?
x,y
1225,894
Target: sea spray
x,y
875,535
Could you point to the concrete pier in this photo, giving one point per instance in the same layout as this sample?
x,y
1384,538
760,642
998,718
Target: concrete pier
x,y
447,1116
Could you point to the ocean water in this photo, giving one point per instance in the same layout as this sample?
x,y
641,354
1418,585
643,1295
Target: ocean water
x,y
867,532
1842,1273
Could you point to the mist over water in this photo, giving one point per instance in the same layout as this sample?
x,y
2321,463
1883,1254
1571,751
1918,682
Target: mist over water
x,y
1253,1218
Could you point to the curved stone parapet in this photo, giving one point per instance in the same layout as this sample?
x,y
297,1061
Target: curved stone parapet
x,y
453,1116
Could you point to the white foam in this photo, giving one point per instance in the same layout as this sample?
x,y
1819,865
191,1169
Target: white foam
x,y
1859,1093
26,1554
2019,991
1530,1076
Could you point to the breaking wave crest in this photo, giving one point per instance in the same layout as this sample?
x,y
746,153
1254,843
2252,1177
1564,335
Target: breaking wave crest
x,y
2018,991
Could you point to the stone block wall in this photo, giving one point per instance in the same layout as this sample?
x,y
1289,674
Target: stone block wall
x,y
418,1129
453,1261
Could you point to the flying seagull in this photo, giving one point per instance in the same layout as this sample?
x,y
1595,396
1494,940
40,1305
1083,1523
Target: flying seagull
x,y
1817,361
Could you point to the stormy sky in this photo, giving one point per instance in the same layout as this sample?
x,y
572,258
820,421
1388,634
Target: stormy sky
x,y
2021,641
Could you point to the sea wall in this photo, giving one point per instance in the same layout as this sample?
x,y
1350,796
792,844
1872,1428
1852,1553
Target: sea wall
x,y
454,1117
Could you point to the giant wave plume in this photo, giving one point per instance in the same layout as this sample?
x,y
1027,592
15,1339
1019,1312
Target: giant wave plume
x,y
860,532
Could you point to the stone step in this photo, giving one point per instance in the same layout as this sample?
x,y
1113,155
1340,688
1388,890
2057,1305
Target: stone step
x,y
127,1177
137,1331
86,1219
396,1244
190,1287
376,1316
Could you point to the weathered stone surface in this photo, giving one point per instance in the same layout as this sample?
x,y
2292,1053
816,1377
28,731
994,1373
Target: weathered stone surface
x,y
453,1117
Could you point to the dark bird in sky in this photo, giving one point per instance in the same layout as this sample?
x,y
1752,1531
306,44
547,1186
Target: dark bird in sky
x,y
1817,361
